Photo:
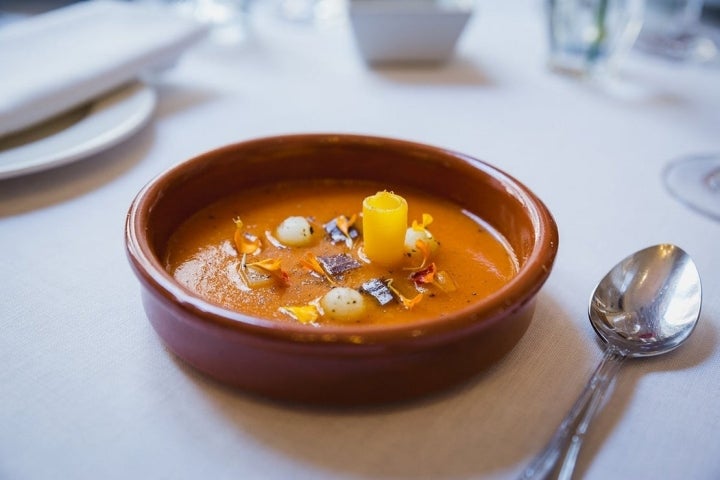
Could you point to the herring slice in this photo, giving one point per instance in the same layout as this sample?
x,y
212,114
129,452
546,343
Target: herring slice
x,y
336,235
336,265
379,290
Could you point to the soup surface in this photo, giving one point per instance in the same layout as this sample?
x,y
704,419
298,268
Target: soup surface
x,y
471,262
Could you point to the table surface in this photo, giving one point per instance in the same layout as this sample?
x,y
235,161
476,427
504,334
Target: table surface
x,y
87,389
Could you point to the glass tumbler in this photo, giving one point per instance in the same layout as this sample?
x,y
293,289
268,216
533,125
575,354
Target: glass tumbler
x,y
672,29
590,36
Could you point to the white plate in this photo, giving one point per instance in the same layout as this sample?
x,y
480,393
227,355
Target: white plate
x,y
77,134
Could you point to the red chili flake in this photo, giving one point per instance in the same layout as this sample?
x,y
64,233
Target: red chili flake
x,y
425,276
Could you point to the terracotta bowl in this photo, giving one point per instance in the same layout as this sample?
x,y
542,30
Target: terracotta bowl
x,y
339,365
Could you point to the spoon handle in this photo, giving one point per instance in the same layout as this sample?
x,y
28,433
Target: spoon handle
x,y
563,448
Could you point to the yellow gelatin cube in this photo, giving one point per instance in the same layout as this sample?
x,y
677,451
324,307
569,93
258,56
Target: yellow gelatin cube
x,y
384,226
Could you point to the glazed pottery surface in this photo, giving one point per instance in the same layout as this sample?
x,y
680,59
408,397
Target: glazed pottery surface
x,y
339,365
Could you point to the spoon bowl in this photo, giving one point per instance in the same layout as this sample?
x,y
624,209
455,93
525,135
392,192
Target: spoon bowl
x,y
647,305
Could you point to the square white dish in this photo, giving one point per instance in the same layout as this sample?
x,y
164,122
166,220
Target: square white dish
x,y
408,31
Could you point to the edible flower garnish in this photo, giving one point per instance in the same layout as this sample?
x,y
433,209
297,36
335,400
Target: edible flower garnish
x,y
424,249
424,242
254,278
311,262
343,224
425,276
245,243
406,302
427,219
272,267
430,276
303,313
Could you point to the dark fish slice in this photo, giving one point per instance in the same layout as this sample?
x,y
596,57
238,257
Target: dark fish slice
x,y
336,265
379,290
336,235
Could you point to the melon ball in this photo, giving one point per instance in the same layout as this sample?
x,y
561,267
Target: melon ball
x,y
412,235
295,232
343,304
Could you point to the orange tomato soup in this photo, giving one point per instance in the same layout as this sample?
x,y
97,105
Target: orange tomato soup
x,y
472,259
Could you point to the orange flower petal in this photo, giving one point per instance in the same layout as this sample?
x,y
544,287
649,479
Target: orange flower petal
x,y
255,278
245,242
268,264
272,267
311,262
406,302
303,313
344,224
424,249
409,303
427,219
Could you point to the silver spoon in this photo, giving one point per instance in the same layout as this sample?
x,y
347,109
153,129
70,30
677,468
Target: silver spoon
x,y
648,304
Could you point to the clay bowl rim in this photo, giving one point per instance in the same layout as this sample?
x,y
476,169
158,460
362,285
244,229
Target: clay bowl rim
x,y
511,297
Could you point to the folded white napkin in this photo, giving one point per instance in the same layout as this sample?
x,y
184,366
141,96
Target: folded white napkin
x,y
53,62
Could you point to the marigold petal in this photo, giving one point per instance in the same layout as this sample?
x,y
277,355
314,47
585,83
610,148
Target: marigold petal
x,y
303,313
272,267
245,242
406,302
268,264
424,249
411,302
255,278
311,262
344,223
427,219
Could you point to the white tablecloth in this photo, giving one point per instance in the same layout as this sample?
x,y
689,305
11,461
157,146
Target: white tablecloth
x,y
87,390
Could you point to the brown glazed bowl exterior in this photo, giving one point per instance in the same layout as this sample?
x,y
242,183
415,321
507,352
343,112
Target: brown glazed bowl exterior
x,y
339,365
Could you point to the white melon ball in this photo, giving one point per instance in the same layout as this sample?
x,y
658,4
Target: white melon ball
x,y
412,235
343,304
295,232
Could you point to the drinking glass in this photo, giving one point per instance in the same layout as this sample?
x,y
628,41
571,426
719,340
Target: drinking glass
x,y
672,29
589,36
312,11
695,181
226,19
